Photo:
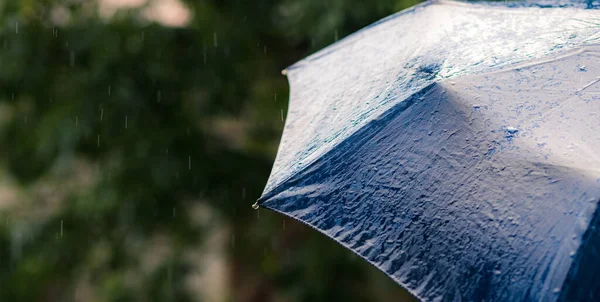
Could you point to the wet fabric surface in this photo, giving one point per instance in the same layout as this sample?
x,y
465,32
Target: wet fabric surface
x,y
456,147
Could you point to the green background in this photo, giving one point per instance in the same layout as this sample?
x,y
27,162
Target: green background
x,y
131,152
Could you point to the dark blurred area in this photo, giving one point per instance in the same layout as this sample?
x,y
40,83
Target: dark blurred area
x,y
136,134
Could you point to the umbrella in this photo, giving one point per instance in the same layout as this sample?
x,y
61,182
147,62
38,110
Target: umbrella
x,y
456,147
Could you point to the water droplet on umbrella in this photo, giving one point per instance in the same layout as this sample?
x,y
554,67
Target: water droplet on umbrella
x,y
512,130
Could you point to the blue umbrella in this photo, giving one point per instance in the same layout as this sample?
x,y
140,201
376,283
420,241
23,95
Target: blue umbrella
x,y
456,147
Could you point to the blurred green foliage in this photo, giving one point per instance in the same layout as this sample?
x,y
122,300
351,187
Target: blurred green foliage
x,y
119,134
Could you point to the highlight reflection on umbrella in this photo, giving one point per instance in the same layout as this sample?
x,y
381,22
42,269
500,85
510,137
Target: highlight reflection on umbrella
x,y
456,147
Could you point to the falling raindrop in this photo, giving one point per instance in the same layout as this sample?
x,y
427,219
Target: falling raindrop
x,y
189,163
282,115
126,122
232,240
174,212
143,35
336,36
101,114
215,41
108,89
158,96
61,228
283,224
76,121
243,193
204,52
17,27
72,58
26,119
98,140
265,49
275,97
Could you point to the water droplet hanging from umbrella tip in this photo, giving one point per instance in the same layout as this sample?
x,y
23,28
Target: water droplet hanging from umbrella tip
x,y
255,205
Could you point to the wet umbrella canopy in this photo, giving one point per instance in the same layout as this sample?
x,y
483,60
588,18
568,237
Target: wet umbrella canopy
x,y
456,147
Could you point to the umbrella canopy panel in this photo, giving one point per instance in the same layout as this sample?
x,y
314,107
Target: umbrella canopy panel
x,y
456,147
341,88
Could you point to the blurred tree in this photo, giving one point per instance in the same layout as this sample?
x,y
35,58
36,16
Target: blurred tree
x,y
118,132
